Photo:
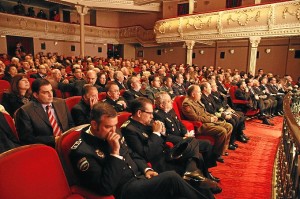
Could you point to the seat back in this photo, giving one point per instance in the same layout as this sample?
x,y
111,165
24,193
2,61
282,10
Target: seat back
x,y
122,117
63,147
33,172
232,90
101,96
11,124
72,101
4,87
177,105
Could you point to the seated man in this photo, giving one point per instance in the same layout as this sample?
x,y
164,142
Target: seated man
x,y
148,142
154,86
194,110
43,119
113,97
167,86
81,111
211,107
178,86
104,164
274,91
134,89
176,131
236,118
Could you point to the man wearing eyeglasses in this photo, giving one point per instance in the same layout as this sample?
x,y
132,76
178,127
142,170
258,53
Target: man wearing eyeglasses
x,y
147,139
113,97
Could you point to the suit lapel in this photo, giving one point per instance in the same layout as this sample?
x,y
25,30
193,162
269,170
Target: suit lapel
x,y
41,113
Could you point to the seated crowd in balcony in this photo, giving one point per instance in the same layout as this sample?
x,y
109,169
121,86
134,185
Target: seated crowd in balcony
x,y
137,86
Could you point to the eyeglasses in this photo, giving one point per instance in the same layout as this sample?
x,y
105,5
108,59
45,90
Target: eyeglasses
x,y
148,112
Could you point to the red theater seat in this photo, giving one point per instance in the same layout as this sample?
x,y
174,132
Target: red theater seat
x,y
190,125
11,124
72,101
236,102
122,117
101,96
33,172
4,87
63,147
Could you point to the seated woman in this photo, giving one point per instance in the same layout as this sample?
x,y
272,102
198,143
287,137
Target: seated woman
x,y
19,95
9,72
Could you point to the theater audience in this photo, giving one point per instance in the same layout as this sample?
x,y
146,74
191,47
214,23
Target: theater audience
x,y
101,153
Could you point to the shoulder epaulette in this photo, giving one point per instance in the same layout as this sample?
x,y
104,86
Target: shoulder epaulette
x,y
125,124
76,144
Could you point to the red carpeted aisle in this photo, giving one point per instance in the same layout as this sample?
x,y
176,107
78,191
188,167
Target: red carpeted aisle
x,y
247,171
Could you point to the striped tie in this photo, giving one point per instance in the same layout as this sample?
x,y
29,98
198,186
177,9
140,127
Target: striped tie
x,y
53,122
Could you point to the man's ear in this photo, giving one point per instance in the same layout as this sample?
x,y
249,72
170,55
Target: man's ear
x,y
35,95
94,124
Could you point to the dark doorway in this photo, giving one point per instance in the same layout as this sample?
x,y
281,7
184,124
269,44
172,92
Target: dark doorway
x,y
66,16
115,51
12,41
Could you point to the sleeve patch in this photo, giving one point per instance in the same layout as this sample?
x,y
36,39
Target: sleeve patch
x,y
83,164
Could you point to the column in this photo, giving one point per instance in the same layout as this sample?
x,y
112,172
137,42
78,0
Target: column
x,y
191,6
254,41
82,10
189,52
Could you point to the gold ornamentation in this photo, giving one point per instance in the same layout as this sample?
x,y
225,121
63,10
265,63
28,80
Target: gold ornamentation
x,y
23,23
286,11
243,18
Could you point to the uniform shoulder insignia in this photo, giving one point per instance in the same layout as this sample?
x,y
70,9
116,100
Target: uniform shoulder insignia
x,y
76,144
83,164
156,111
100,153
145,135
168,119
125,124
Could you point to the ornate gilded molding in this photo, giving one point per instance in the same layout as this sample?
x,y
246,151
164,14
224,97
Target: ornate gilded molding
x,y
32,27
269,20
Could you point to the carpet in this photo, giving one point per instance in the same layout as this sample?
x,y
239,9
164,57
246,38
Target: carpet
x,y
247,171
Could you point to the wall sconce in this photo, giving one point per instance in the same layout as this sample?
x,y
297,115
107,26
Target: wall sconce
x,y
171,49
268,50
231,51
292,49
55,43
201,52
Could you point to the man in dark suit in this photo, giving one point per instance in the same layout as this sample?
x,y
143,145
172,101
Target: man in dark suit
x,y
81,111
148,142
119,80
32,120
41,73
134,90
104,164
277,93
178,87
113,97
176,131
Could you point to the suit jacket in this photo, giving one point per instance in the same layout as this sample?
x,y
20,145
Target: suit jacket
x,y
145,143
221,88
209,103
121,86
37,76
81,113
117,107
242,95
178,89
102,172
7,138
174,128
131,94
195,111
33,124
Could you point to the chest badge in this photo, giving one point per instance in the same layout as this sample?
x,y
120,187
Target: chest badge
x,y
100,154
145,135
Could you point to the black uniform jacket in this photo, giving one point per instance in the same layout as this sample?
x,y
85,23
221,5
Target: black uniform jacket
x,y
114,103
102,172
174,128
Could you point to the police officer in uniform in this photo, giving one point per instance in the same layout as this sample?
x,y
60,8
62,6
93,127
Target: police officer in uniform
x,y
113,97
134,89
104,164
176,131
149,142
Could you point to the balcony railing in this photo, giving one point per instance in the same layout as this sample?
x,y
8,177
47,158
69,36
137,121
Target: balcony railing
x,y
287,169
32,27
